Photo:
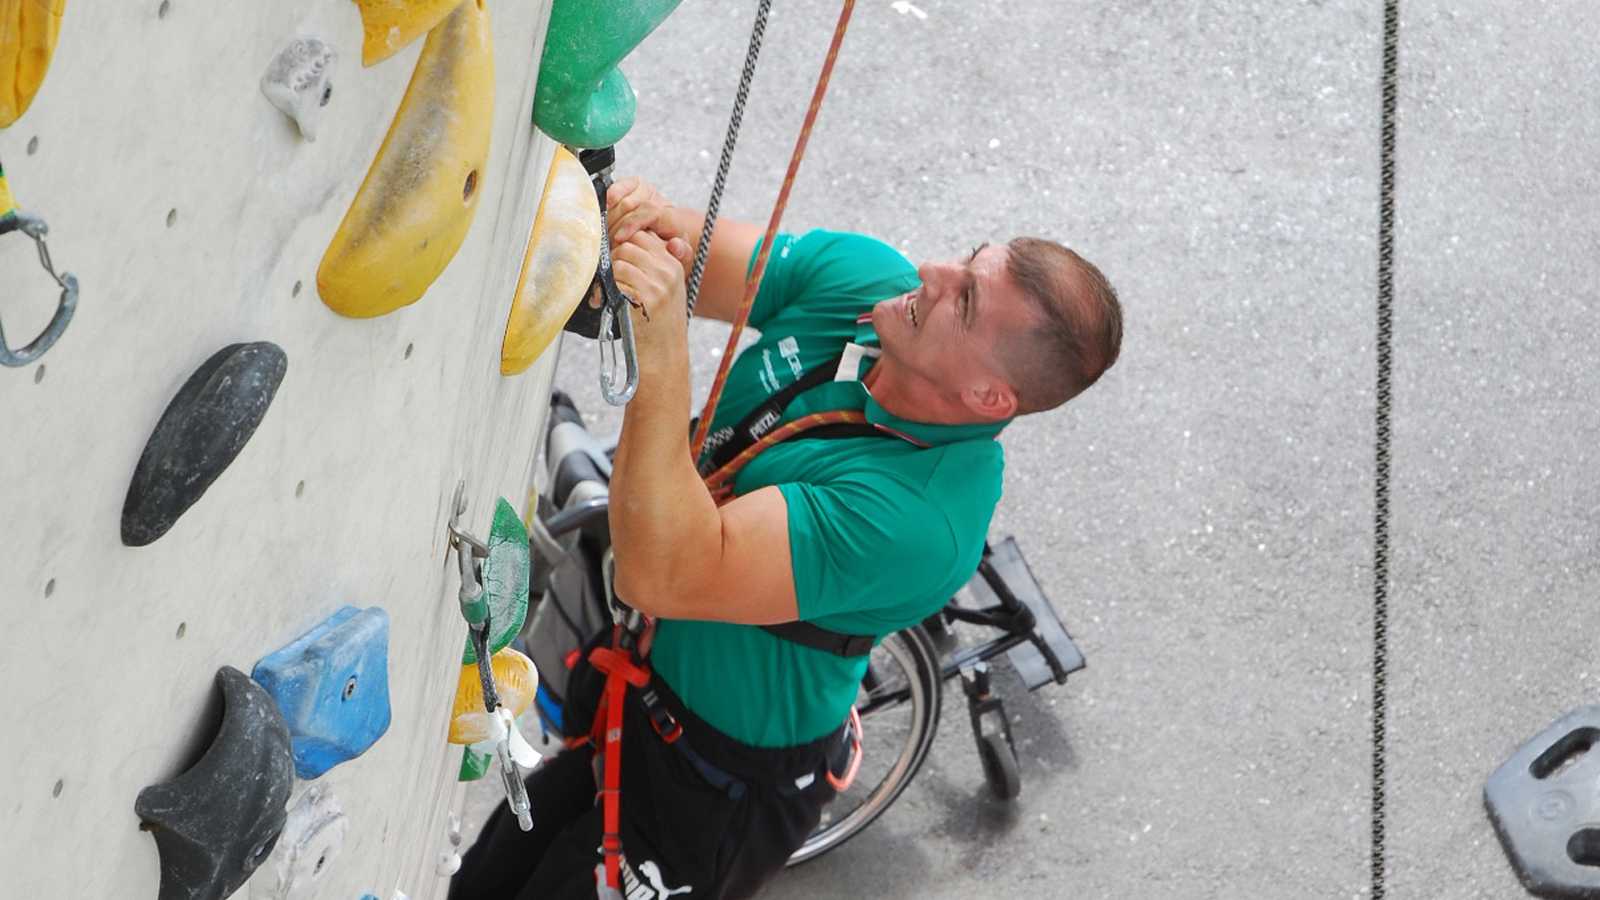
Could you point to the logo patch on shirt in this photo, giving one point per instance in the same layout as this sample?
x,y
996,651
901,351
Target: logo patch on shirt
x,y
790,348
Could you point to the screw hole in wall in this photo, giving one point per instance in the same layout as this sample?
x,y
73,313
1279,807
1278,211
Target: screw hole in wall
x,y
56,791
49,587
38,374
296,291
183,627
163,9
300,488
408,350
33,145
172,217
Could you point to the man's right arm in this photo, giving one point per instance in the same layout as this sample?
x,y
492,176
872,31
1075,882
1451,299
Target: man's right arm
x,y
634,205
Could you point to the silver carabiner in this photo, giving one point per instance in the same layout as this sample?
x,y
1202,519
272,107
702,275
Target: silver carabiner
x,y
36,228
608,360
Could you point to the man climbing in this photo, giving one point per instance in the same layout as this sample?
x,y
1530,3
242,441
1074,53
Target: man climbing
x,y
737,742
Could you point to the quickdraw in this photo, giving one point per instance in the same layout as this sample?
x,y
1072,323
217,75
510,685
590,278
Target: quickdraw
x,y
14,219
513,751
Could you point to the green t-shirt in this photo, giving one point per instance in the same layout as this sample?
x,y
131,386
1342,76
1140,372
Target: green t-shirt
x,y
882,531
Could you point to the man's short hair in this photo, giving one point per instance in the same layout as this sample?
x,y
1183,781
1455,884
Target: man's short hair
x,y
1079,329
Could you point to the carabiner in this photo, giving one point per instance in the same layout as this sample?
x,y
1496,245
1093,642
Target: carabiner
x,y
36,228
608,360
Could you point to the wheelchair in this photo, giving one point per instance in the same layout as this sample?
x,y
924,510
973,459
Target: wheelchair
x,y
902,694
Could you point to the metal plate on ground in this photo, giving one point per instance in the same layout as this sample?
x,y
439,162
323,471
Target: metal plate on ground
x,y
1545,804
1031,666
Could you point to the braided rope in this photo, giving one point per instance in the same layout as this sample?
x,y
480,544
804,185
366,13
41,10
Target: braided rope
x,y
753,281
1380,537
721,481
757,33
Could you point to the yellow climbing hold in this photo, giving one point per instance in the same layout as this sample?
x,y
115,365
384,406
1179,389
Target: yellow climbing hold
x,y
515,680
28,30
414,208
389,26
558,265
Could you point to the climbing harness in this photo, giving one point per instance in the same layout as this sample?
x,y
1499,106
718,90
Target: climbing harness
x,y
512,750
14,219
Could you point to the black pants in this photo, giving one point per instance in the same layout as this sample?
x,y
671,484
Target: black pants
x,y
708,817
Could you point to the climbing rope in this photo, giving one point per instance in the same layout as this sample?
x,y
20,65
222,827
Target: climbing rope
x,y
751,55
1380,536
721,480
753,281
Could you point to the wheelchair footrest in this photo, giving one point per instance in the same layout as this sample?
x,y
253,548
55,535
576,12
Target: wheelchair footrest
x,y
1034,669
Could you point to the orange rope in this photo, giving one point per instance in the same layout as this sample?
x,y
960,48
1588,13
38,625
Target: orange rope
x,y
721,481
752,282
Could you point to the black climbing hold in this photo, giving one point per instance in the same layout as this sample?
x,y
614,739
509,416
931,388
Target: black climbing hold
x,y
218,821
202,430
1544,807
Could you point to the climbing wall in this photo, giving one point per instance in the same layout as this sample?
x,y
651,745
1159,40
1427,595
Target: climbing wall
x,y
195,215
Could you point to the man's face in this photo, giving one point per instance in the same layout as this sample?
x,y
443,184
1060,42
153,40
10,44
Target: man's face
x,y
952,329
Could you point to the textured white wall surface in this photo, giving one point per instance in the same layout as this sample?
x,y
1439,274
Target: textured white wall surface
x,y
195,216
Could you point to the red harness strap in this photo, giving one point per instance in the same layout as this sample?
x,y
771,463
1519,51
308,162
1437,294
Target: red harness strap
x,y
621,669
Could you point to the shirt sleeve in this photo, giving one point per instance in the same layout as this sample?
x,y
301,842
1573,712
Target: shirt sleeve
x,y
827,273
866,543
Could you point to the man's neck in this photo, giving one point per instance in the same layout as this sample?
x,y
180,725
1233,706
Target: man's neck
x,y
907,396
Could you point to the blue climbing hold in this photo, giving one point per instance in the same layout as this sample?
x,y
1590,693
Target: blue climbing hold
x,y
332,684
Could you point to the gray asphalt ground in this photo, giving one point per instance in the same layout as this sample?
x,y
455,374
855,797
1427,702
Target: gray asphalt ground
x,y
1203,517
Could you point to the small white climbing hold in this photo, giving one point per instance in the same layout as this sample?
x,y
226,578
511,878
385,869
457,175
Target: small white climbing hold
x,y
312,836
449,864
297,82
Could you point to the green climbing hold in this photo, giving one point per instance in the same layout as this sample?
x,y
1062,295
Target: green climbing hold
x,y
474,765
582,98
505,580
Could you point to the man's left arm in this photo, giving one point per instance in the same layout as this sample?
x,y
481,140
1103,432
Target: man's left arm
x,y
678,554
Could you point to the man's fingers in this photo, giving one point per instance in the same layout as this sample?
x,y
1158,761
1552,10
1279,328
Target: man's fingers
x,y
680,250
632,222
627,276
620,189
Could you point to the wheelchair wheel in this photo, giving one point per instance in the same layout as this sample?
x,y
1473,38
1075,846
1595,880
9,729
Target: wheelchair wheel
x,y
899,703
1000,766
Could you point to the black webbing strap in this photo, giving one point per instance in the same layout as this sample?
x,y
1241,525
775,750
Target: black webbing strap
x,y
726,443
808,634
730,441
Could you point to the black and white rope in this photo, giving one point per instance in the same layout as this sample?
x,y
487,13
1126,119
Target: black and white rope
x,y
1380,534
757,32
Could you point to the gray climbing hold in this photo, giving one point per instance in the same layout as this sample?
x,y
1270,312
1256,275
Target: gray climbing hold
x,y
298,82
218,821
202,430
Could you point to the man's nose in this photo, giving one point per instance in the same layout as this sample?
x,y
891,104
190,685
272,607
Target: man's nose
x,y
935,276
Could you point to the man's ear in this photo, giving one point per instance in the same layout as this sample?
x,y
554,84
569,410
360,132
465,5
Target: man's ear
x,y
991,400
